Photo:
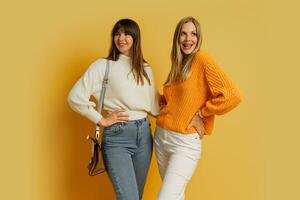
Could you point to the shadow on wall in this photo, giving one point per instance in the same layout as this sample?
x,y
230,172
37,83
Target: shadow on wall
x,y
79,184
69,131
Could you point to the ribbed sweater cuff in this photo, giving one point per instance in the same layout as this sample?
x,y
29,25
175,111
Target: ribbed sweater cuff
x,y
93,115
205,112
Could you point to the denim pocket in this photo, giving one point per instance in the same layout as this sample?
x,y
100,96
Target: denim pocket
x,y
114,129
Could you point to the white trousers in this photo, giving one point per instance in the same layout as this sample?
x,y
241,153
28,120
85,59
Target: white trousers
x,y
177,157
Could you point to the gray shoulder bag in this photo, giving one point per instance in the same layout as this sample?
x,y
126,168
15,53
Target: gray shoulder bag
x,y
96,163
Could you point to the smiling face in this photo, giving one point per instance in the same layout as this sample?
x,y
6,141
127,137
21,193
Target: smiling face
x,y
188,38
123,41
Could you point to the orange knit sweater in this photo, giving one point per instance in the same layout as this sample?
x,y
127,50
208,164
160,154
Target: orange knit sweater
x,y
208,88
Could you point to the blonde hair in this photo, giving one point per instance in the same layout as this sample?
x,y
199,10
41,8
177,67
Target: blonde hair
x,y
181,65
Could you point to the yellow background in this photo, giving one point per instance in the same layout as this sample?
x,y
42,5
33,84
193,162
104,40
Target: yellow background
x,y
47,45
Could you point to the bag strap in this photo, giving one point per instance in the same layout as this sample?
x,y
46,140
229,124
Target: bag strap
x,y
102,95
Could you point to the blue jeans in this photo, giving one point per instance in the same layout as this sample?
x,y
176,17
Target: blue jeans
x,y
127,150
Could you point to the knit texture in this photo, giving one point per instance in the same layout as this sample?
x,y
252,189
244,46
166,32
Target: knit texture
x,y
122,91
208,88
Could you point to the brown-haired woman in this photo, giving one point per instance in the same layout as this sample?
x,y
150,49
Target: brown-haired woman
x,y
195,91
130,96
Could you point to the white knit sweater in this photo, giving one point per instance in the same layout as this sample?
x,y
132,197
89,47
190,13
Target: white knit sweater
x,y
122,91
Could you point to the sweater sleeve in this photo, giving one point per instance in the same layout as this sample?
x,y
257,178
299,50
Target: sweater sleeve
x,y
224,93
154,95
89,84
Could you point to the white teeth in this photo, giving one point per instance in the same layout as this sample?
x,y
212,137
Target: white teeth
x,y
187,46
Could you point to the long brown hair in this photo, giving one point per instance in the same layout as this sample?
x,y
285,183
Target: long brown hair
x,y
137,60
181,65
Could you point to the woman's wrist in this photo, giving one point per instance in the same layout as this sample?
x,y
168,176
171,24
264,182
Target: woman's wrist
x,y
101,122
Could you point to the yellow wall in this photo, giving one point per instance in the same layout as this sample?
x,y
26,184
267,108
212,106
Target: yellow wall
x,y
46,46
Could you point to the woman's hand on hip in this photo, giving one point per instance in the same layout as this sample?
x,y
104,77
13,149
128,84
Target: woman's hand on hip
x,y
116,116
197,123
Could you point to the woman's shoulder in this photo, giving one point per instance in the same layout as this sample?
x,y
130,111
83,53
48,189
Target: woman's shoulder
x,y
205,59
98,65
146,64
147,67
148,70
203,55
100,62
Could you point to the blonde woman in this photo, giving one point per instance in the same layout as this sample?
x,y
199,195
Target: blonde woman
x,y
195,91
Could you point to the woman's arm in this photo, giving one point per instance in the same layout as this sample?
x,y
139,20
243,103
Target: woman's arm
x,y
87,85
225,94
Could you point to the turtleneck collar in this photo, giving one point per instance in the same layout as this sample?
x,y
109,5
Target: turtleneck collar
x,y
124,57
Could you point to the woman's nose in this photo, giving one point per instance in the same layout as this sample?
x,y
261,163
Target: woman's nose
x,y
122,37
187,38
